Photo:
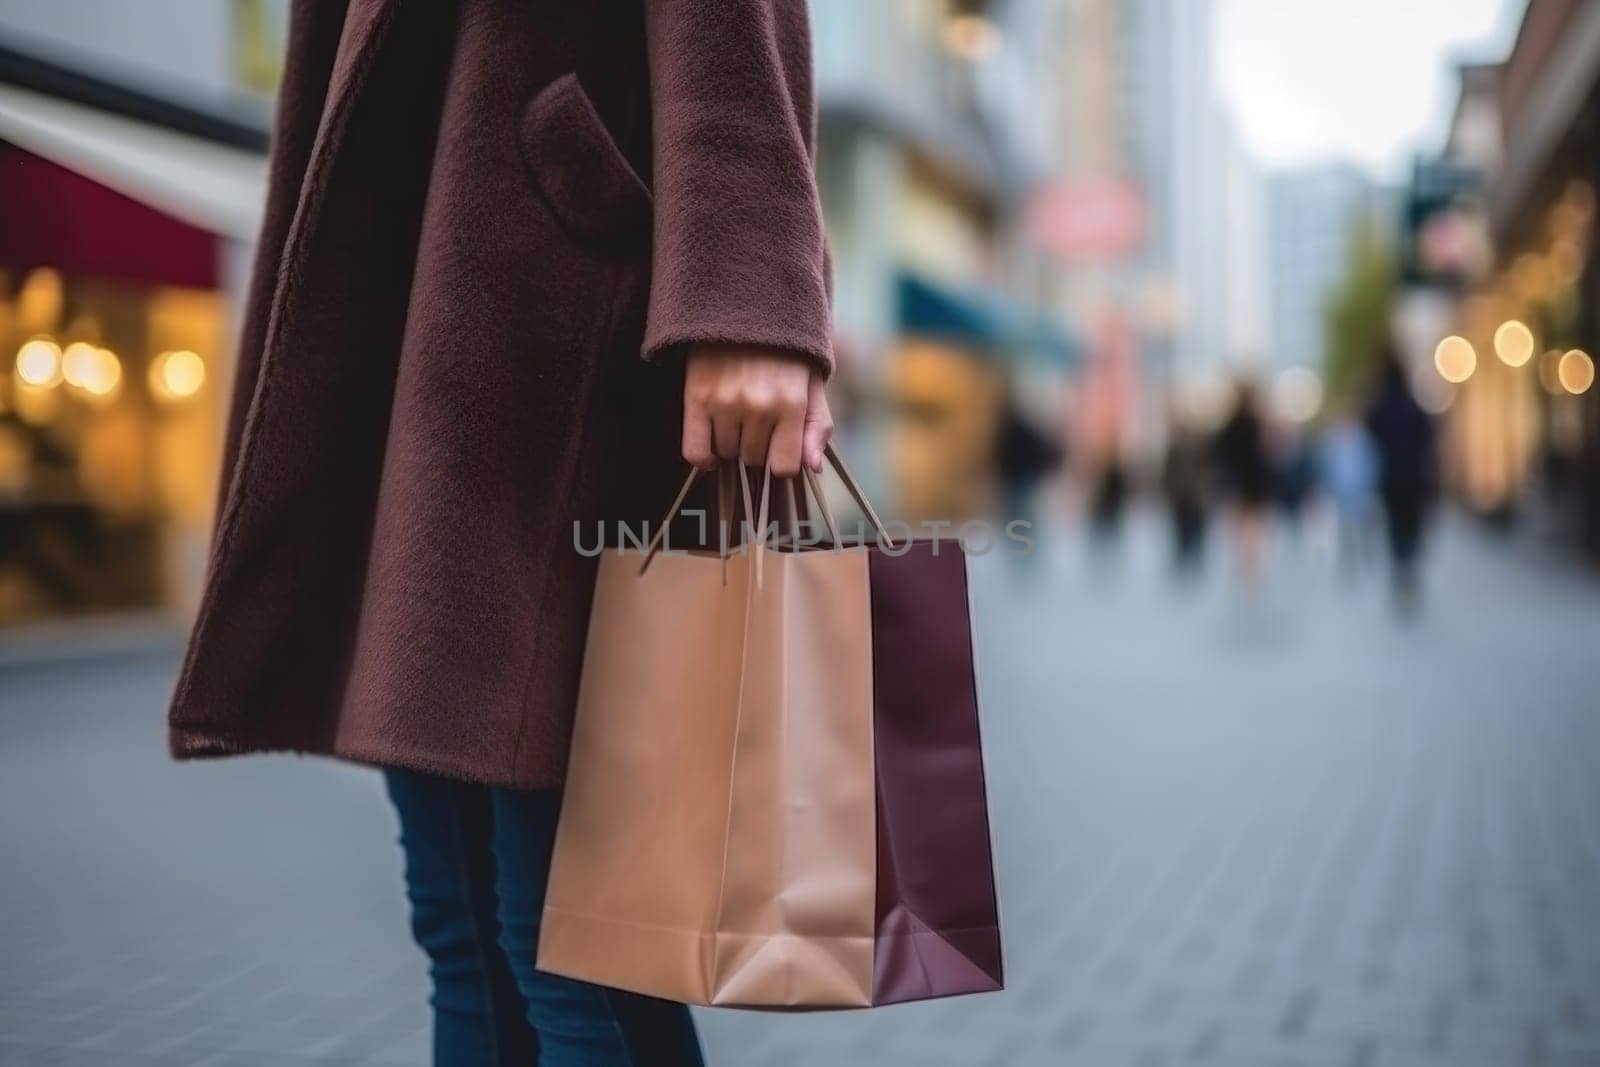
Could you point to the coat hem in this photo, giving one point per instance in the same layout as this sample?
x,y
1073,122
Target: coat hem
x,y
197,743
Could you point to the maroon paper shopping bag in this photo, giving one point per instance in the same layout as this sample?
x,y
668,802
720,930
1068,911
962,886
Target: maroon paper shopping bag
x,y
937,923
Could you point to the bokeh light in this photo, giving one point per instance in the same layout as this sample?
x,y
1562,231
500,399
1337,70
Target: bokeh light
x,y
972,37
1576,372
1297,394
1455,359
1513,343
96,373
39,363
177,375
77,364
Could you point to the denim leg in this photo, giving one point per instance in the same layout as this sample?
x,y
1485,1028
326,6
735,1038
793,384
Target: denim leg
x,y
578,1024
447,833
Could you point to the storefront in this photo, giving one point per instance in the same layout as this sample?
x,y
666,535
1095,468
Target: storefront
x,y
123,239
958,359
1530,413
1523,389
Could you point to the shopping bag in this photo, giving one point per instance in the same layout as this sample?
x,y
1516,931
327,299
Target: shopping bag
x,y
775,793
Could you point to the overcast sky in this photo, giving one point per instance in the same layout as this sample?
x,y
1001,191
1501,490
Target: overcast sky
x,y
1367,80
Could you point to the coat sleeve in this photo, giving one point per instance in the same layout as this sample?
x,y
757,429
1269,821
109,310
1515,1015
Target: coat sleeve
x,y
739,250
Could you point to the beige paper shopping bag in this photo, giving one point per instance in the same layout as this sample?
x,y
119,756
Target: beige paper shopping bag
x,y
716,843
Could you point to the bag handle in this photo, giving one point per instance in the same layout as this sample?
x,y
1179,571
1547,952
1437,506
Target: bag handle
x,y
856,493
725,476
814,483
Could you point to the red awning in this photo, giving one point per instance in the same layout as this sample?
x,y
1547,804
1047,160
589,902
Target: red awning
x,y
53,217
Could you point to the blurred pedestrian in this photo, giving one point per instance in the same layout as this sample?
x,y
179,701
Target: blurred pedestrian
x,y
1403,434
1024,457
519,261
1294,465
1349,471
1107,502
1186,480
1244,468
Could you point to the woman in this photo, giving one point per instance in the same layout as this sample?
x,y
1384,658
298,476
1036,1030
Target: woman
x,y
481,214
1186,478
1245,471
1403,434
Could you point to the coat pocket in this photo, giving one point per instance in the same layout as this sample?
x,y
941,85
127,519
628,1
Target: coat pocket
x,y
578,168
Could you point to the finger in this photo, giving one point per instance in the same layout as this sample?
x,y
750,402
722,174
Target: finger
x,y
755,438
785,450
818,427
697,436
725,434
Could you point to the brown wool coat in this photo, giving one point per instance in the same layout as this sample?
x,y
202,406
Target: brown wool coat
x,y
482,214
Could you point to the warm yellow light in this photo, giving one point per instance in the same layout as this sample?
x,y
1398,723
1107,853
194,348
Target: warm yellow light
x,y
1576,372
1513,343
40,299
972,37
107,375
1455,359
39,363
95,372
77,364
177,375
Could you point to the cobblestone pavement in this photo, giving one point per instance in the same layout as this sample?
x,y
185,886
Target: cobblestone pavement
x,y
1285,830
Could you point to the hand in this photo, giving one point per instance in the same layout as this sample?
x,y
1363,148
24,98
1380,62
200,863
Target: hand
x,y
760,406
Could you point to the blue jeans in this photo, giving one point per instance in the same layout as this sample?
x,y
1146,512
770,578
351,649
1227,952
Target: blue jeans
x,y
476,863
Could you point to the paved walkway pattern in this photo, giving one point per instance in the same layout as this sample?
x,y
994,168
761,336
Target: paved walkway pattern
x,y
1281,831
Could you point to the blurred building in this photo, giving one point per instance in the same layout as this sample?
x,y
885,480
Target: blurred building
x,y
1204,265
1316,214
132,141
1175,311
